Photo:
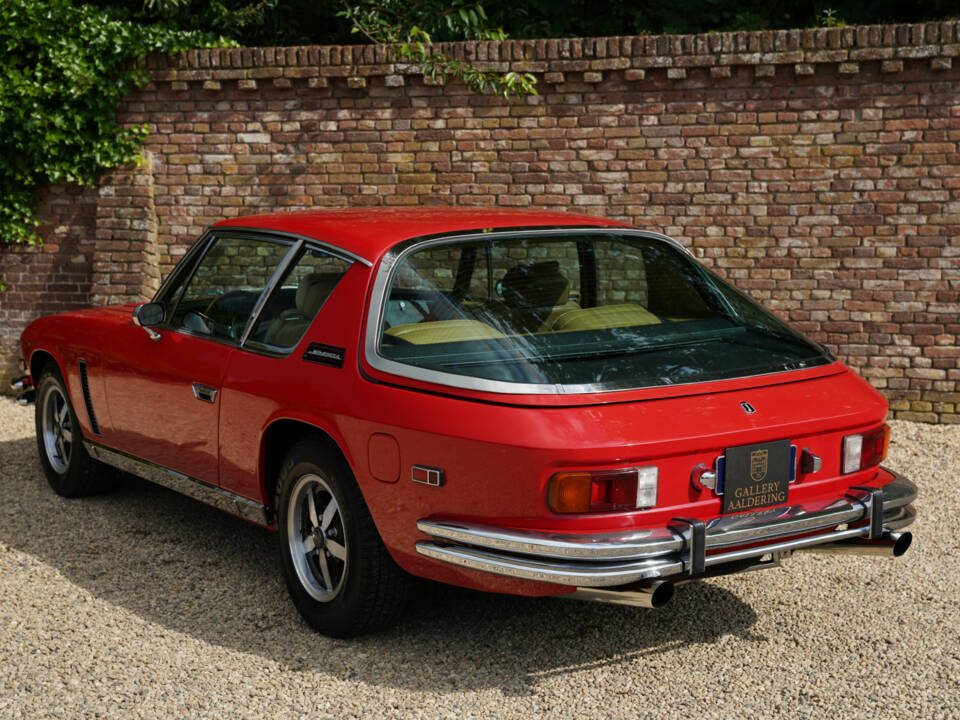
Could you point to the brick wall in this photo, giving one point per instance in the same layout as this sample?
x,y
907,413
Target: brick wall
x,y
818,169
48,278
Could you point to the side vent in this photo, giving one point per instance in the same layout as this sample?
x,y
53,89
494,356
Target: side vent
x,y
85,385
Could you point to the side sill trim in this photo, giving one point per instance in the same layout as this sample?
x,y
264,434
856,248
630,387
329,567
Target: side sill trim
x,y
184,484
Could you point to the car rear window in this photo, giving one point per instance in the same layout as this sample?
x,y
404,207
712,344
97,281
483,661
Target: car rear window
x,y
577,311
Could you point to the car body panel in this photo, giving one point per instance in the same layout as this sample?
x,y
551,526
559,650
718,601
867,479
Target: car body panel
x,y
154,412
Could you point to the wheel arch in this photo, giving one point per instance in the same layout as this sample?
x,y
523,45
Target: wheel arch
x,y
40,359
277,439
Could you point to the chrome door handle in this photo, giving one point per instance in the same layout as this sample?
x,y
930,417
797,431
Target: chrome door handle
x,y
204,392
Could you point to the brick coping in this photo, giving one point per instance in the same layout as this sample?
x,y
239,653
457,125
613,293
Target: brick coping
x,y
891,44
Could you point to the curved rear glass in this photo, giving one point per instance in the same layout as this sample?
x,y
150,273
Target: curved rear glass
x,y
575,311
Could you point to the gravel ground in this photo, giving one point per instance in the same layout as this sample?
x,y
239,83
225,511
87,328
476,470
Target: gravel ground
x,y
143,603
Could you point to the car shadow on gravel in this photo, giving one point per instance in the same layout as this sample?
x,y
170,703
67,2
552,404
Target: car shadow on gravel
x,y
194,570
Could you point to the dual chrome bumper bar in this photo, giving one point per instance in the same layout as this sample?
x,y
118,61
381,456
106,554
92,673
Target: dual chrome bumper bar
x,y
685,547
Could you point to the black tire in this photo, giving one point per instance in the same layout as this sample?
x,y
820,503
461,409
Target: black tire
x,y
364,591
70,471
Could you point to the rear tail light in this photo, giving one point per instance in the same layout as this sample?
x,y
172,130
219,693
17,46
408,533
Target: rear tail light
x,y
603,490
865,450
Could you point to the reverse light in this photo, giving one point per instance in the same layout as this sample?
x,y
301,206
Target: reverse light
x,y
865,450
603,490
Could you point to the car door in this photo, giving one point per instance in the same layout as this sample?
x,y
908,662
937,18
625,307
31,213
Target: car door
x,y
164,393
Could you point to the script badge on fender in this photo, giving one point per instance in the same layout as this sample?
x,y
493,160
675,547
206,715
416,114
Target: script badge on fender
x,y
756,476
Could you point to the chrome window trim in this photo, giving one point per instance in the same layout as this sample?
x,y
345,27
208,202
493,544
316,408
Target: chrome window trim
x,y
278,272
199,246
392,259
276,351
320,244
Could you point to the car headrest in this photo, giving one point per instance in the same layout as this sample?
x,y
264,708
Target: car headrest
x,y
313,291
538,284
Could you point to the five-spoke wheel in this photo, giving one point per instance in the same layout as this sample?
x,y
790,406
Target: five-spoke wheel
x,y
70,471
56,427
340,576
318,543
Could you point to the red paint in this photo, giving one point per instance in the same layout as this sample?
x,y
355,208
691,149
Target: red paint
x,y
497,451
383,455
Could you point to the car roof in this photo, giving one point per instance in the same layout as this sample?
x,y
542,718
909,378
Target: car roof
x,y
370,231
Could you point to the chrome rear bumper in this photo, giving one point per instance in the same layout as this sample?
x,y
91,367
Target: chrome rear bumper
x,y
683,548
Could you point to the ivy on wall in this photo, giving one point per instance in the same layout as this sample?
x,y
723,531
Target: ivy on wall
x,y
411,26
65,68
63,71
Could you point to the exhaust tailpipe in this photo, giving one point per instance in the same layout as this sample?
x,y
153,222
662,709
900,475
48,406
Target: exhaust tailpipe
x,y
892,544
646,594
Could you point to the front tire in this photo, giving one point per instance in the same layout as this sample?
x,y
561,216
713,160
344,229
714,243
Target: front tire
x,y
340,576
70,471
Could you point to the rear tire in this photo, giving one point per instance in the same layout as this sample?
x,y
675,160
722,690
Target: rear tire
x,y
340,576
70,471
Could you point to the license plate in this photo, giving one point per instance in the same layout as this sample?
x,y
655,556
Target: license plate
x,y
756,476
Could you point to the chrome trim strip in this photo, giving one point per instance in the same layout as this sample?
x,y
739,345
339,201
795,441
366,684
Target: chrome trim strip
x,y
320,244
184,484
721,532
606,559
381,286
268,289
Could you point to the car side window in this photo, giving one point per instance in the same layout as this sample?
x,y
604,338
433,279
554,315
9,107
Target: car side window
x,y
297,299
219,298
172,288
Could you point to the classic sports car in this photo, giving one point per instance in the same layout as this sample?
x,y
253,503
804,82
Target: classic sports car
x,y
536,403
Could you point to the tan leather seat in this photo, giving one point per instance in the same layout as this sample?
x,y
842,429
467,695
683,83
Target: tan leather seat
x,y
440,331
603,317
312,292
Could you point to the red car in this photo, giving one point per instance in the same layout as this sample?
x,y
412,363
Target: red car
x,y
523,402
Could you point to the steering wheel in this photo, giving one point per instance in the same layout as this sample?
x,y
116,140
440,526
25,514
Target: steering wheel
x,y
219,313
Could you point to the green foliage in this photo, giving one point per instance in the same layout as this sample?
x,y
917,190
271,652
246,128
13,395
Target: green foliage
x,y
248,22
827,18
63,72
309,22
409,27
587,18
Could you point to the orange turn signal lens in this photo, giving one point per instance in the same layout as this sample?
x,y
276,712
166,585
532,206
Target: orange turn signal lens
x,y
603,490
570,492
886,443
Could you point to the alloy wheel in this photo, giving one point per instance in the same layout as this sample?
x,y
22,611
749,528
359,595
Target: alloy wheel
x,y
315,533
57,429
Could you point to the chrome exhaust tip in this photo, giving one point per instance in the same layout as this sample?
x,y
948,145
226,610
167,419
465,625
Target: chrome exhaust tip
x,y
646,594
892,544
